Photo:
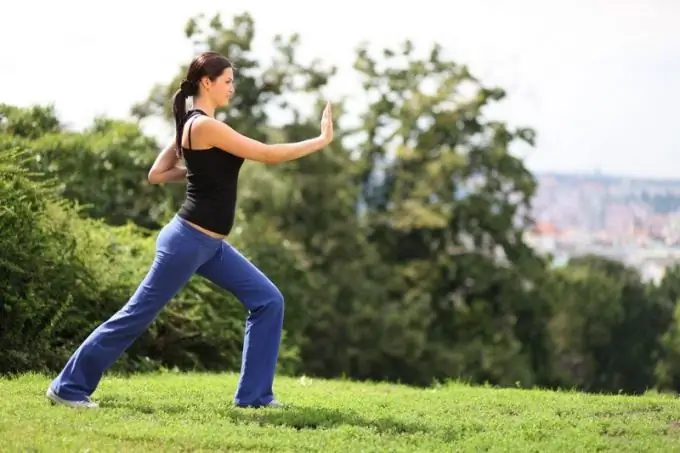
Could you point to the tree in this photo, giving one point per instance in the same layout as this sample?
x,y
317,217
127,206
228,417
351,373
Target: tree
x,y
446,204
606,326
103,168
309,204
667,295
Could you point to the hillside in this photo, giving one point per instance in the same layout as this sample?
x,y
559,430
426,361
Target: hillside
x,y
171,413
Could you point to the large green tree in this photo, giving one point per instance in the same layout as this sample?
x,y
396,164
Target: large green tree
x,y
447,205
310,204
416,267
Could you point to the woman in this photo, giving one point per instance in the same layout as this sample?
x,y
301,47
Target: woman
x,y
193,242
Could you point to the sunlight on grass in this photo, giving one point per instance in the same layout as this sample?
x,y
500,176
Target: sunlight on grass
x,y
193,412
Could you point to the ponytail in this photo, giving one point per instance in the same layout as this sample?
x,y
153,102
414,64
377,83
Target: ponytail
x,y
179,110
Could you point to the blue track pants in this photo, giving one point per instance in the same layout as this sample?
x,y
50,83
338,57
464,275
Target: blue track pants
x,y
181,251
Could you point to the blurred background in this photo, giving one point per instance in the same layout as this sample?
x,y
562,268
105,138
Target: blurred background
x,y
501,204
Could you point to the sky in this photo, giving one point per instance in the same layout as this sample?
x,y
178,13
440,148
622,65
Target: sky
x,y
599,80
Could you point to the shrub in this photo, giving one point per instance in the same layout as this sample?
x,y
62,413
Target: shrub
x,y
61,274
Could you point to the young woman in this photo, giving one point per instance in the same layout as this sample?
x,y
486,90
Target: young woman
x,y
193,242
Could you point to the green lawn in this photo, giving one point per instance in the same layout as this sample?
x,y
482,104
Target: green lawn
x,y
193,413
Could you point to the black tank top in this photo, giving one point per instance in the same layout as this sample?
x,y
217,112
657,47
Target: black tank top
x,y
212,177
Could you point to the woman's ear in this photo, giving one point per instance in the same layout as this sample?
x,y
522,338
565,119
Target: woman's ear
x,y
206,83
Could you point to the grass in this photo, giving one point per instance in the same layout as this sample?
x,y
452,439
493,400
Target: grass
x,y
193,413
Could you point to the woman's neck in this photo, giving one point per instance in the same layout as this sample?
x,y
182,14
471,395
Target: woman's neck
x,y
204,105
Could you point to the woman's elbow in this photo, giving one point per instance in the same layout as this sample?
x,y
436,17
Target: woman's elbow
x,y
154,177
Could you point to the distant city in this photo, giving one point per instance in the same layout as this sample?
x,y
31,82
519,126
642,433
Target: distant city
x,y
633,220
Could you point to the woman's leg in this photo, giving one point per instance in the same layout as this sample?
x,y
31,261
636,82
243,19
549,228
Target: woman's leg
x,y
234,273
179,252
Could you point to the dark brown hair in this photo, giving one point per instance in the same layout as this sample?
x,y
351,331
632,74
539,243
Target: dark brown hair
x,y
207,64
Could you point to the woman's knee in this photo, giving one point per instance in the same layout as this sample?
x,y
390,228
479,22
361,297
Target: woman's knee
x,y
268,296
274,297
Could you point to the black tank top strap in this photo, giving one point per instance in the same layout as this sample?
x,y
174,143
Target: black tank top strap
x,y
191,123
191,117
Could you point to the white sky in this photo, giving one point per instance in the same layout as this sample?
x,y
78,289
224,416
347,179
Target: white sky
x,y
599,79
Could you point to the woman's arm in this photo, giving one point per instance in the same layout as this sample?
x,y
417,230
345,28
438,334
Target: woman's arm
x,y
222,136
165,169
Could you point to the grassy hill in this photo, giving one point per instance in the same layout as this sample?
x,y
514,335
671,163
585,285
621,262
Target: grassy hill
x,y
192,413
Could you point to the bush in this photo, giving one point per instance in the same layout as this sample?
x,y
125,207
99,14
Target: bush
x,y
62,274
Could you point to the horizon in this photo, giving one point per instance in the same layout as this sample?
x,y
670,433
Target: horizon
x,y
597,174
